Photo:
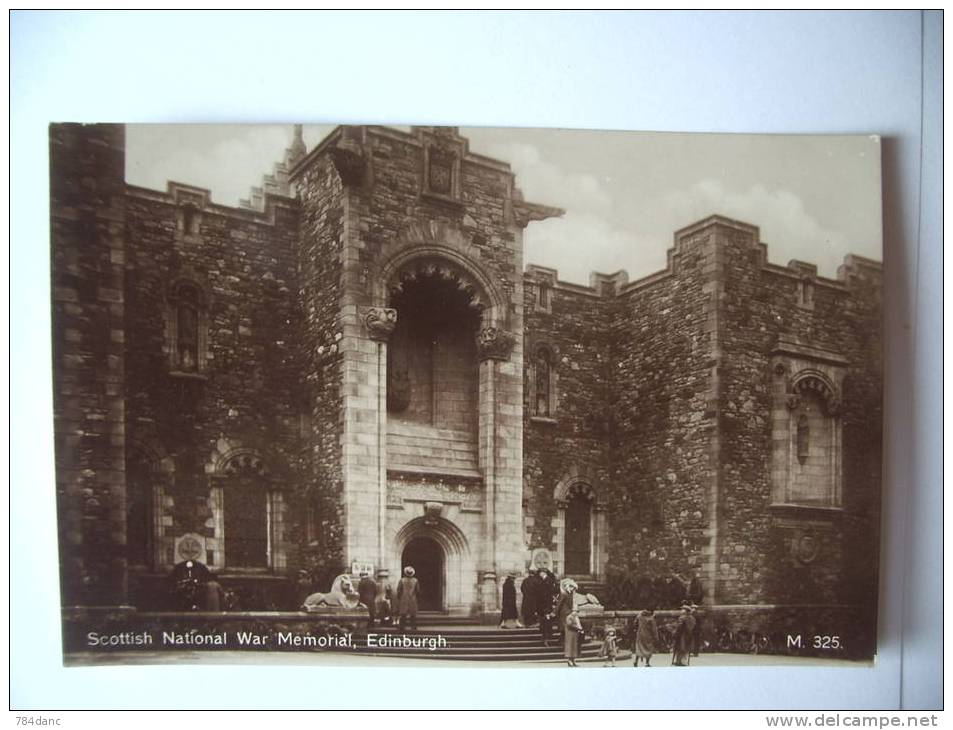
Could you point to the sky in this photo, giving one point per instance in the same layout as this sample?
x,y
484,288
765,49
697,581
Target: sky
x,y
815,197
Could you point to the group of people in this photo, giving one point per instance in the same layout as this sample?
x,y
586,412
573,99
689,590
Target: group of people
x,y
548,604
646,642
378,595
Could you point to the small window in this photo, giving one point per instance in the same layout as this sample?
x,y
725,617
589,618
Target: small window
x,y
805,293
544,295
186,329
189,220
544,384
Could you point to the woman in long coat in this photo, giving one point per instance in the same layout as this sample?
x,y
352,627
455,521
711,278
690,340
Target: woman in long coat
x,y
407,590
646,639
509,618
681,654
566,602
572,633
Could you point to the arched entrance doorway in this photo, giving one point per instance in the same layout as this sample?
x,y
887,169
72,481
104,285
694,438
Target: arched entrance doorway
x,y
427,558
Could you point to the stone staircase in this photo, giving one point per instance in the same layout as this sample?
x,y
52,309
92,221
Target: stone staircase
x,y
426,449
471,644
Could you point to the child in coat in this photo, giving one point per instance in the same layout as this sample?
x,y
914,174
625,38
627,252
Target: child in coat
x,y
610,647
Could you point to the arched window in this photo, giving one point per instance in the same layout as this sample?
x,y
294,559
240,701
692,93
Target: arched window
x,y
543,386
186,328
543,382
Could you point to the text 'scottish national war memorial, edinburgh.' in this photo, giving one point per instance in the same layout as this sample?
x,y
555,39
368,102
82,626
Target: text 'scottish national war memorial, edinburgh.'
x,y
355,371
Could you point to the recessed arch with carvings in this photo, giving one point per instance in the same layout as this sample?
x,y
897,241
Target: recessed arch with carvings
x,y
418,260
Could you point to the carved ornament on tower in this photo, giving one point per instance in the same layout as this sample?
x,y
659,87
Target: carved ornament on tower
x,y
495,343
379,321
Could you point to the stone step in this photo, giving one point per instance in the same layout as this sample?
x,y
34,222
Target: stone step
x,y
475,644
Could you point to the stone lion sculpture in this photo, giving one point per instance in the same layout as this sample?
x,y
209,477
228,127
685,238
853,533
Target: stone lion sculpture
x,y
341,595
580,601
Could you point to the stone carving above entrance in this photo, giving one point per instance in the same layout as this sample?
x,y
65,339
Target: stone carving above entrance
x,y
379,321
815,384
495,343
432,512
422,268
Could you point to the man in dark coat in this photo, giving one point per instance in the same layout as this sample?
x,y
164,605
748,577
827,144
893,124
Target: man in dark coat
x,y
546,603
509,616
531,590
367,593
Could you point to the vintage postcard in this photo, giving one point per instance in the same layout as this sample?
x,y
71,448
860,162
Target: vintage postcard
x,y
470,396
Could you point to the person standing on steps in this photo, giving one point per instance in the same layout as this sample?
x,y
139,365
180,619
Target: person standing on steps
x,y
566,602
572,637
384,598
367,593
546,609
531,589
408,588
509,616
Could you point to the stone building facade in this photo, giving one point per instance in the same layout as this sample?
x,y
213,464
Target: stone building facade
x,y
353,368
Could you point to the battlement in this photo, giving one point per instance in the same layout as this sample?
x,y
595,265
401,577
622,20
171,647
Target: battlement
x,y
278,182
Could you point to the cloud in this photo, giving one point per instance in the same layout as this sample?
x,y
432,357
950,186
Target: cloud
x,y
581,243
228,161
543,182
584,239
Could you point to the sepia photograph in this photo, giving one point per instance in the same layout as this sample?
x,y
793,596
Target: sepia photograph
x,y
466,396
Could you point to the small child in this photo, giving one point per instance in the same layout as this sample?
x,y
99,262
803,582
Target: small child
x,y
610,647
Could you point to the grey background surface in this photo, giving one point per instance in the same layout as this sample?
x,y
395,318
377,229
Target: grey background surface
x,y
778,72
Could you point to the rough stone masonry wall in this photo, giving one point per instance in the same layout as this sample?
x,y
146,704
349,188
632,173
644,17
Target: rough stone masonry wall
x,y
320,255
663,460
246,397
88,254
575,440
762,304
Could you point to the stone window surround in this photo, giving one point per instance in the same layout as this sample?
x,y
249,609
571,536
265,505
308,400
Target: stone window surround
x,y
275,515
172,326
792,366
532,372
